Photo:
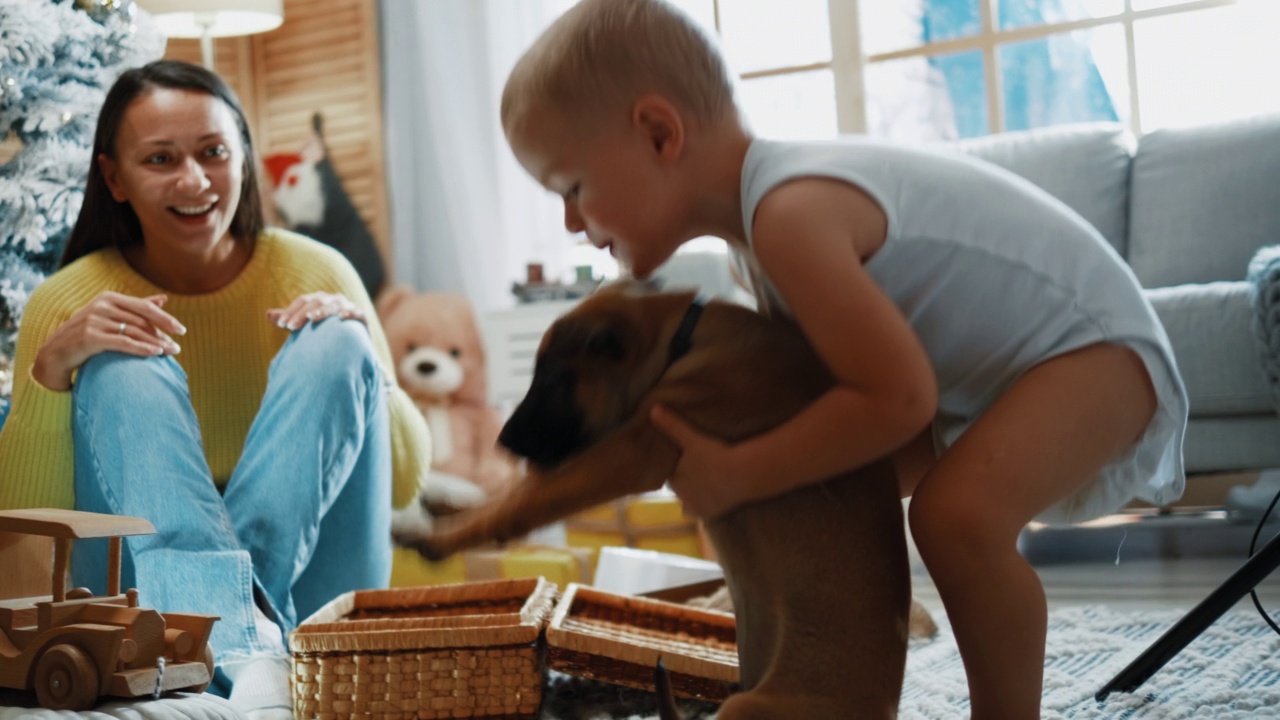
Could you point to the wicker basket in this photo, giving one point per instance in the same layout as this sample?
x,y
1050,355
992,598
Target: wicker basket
x,y
619,639
450,651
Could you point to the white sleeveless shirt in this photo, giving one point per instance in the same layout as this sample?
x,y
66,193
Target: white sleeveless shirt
x,y
994,275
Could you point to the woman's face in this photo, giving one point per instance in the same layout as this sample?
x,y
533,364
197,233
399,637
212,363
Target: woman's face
x,y
179,163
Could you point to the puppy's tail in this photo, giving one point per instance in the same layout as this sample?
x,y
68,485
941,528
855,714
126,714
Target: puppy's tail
x,y
667,709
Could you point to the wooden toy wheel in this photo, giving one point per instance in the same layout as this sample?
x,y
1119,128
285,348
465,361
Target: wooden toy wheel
x,y
66,679
208,662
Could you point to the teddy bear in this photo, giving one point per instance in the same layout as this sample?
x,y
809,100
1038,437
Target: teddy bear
x,y
439,359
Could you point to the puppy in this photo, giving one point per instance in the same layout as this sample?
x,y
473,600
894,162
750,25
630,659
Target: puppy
x,y
818,576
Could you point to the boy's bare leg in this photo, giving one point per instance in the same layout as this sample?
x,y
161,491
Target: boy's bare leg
x,y
1044,439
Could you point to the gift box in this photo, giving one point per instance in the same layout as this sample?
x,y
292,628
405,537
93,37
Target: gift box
x,y
628,571
470,650
652,521
409,569
560,565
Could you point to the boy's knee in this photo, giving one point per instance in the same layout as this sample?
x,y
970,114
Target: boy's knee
x,y
948,523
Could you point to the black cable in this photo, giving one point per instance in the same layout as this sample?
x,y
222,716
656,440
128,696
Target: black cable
x,y
1253,593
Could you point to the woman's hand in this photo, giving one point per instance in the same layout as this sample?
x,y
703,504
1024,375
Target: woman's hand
x,y
111,321
314,307
706,479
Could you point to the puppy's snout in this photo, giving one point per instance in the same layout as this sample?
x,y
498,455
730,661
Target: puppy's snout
x,y
426,368
546,427
515,434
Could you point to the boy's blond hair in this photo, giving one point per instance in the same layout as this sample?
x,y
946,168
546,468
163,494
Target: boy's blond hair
x,y
602,54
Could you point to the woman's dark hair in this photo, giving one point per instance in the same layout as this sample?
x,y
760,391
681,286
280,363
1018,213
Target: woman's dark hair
x,y
103,222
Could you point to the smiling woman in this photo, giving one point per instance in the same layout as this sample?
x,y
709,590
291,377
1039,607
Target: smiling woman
x,y
278,396
180,168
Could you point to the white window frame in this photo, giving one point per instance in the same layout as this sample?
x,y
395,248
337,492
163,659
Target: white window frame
x,y
848,63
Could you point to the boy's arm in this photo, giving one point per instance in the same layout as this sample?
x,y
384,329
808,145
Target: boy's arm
x,y
810,236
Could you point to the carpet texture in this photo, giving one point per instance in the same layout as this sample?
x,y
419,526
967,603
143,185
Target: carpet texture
x,y
1231,672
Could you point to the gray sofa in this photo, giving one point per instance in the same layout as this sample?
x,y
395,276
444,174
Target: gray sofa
x,y
1188,209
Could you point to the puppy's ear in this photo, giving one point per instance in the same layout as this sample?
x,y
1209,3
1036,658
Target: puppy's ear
x,y
606,343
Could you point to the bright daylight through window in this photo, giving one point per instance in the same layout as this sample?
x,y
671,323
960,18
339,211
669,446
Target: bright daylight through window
x,y
931,70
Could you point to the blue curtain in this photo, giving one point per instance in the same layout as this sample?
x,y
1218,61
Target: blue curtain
x,y
1045,82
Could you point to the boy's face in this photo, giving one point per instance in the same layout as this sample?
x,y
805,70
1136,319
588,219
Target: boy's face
x,y
613,181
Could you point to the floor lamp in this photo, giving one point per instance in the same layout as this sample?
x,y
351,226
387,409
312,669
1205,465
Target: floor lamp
x,y
208,19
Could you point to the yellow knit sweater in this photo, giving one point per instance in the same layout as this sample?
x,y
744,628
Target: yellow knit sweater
x,y
225,353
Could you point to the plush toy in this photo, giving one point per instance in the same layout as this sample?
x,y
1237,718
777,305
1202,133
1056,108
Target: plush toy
x,y
439,357
308,195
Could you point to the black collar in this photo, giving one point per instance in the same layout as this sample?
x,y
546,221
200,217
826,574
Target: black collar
x,y
683,339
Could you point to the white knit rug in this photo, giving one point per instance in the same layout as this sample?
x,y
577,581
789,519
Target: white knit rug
x,y
1230,672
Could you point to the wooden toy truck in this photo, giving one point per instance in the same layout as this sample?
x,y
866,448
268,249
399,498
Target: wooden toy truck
x,y
73,648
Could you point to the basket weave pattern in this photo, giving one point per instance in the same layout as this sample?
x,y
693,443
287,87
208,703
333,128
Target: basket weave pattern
x,y
450,651
620,639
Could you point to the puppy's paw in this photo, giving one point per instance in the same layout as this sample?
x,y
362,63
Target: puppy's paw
x,y
414,528
443,490
410,522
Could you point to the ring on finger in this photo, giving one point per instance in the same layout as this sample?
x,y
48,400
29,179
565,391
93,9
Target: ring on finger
x,y
120,330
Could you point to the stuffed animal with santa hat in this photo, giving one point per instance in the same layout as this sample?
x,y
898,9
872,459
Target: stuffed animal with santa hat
x,y
309,197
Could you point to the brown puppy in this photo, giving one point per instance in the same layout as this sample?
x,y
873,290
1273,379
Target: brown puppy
x,y
818,576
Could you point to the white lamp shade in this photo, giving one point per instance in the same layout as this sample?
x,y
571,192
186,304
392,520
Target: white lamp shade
x,y
214,18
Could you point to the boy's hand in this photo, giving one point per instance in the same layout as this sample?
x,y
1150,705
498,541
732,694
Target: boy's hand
x,y
705,478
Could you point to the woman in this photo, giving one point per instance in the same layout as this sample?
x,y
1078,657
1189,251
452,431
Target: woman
x,y
229,383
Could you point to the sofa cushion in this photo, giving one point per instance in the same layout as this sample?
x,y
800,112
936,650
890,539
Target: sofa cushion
x,y
1204,200
1238,442
1085,166
1221,364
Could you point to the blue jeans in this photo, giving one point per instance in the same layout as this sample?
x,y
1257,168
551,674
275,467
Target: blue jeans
x,y
304,517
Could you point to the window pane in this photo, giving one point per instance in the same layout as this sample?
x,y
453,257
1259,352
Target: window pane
x,y
948,19
928,99
765,34
889,25
1059,79
1023,13
798,106
967,86
1208,65
1148,4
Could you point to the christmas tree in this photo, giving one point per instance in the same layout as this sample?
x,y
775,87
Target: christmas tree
x,y
57,60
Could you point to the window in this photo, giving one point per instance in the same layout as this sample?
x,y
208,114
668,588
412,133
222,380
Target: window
x,y
941,69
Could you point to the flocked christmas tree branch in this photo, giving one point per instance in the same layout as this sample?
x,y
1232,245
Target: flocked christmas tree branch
x,y
57,59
